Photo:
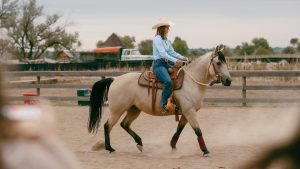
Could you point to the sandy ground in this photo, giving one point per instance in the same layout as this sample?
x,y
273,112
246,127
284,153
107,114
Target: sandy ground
x,y
234,135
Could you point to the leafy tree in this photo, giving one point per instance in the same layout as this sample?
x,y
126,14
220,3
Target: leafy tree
x,y
237,50
197,52
180,46
262,46
262,51
128,41
258,46
99,43
146,47
289,50
261,42
294,41
245,49
31,32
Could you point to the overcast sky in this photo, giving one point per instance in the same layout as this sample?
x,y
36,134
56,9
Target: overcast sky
x,y
202,23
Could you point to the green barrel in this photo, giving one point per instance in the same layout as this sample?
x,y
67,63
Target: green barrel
x,y
83,93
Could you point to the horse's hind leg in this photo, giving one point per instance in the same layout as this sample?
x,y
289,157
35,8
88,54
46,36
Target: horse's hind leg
x,y
113,119
132,114
180,127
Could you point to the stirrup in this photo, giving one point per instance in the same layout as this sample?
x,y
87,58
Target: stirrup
x,y
164,109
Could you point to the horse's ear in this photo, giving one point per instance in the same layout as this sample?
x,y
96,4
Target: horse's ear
x,y
220,48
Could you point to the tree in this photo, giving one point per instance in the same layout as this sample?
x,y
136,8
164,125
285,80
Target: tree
x,y
7,8
197,52
258,46
261,42
245,49
99,43
238,50
194,52
4,48
294,41
146,47
31,32
289,50
262,51
128,41
261,46
180,46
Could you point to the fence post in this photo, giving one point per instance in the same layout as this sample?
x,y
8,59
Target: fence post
x,y
244,91
38,90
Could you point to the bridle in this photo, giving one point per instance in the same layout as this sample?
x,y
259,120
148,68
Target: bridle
x,y
217,74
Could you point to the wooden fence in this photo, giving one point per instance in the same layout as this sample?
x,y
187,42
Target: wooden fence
x,y
242,74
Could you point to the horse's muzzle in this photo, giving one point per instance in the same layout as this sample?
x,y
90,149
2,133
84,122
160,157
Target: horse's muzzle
x,y
226,81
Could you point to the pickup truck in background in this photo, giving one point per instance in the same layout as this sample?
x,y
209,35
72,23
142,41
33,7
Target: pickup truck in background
x,y
118,54
134,54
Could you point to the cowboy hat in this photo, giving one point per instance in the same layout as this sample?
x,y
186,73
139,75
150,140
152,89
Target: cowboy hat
x,y
162,22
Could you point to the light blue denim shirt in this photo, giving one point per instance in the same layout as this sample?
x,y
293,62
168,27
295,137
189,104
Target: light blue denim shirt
x,y
163,49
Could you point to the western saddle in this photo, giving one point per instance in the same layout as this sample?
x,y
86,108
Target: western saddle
x,y
149,80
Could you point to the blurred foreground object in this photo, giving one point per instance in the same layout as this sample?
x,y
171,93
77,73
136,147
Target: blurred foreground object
x,y
28,139
285,156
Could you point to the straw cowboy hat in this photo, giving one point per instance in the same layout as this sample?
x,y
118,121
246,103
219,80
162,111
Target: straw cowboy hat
x,y
162,22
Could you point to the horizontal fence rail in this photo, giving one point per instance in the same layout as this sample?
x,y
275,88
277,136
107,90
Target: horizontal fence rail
x,y
242,74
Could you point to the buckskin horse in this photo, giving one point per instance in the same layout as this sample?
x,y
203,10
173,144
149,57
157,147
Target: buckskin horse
x,y
126,95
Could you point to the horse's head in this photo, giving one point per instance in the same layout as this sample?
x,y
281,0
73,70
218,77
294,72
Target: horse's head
x,y
218,67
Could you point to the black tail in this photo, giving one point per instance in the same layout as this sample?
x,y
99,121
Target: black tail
x,y
96,101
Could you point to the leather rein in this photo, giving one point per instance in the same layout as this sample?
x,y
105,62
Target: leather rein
x,y
213,55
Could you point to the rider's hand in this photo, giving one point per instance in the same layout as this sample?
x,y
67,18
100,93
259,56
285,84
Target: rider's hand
x,y
178,63
185,59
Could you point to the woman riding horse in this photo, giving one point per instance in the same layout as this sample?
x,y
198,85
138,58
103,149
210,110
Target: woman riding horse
x,y
126,95
163,52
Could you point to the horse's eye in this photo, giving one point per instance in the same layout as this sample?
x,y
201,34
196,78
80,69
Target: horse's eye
x,y
219,63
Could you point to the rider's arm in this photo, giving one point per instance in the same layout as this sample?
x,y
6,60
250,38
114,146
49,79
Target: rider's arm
x,y
175,54
158,43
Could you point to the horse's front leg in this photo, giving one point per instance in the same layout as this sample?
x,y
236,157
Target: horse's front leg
x,y
181,124
191,118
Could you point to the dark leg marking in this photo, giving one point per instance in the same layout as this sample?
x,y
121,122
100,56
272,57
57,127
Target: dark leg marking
x,y
201,141
127,128
180,127
107,138
132,114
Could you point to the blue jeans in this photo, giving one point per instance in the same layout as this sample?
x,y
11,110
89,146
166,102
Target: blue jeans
x,y
160,69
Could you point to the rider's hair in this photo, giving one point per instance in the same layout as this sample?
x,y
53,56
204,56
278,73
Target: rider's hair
x,y
161,32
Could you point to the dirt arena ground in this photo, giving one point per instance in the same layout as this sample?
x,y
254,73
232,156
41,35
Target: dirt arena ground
x,y
234,135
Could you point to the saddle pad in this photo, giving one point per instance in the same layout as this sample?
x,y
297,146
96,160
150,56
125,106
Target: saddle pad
x,y
147,78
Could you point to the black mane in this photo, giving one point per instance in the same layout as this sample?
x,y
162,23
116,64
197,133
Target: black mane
x,y
221,56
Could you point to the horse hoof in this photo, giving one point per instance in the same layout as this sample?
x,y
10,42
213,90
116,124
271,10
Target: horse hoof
x,y
111,150
206,154
139,147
